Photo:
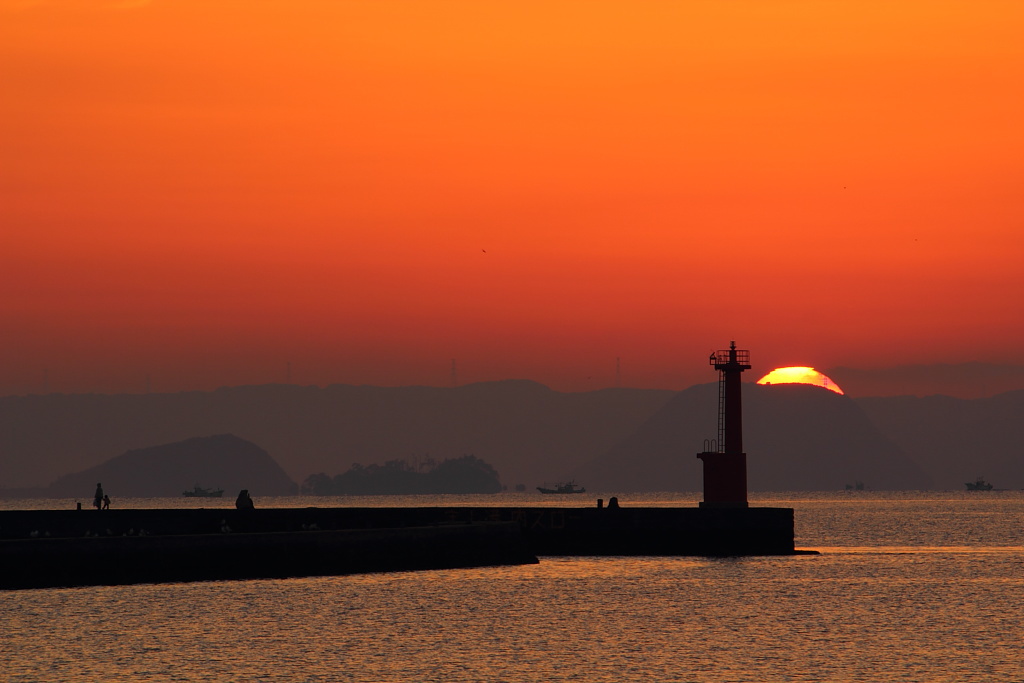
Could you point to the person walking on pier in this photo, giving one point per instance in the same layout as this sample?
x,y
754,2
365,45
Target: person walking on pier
x,y
97,500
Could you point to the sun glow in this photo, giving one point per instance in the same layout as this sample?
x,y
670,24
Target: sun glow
x,y
494,179
800,375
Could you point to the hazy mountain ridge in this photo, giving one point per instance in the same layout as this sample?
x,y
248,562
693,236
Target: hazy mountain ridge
x,y
528,432
960,380
959,439
797,437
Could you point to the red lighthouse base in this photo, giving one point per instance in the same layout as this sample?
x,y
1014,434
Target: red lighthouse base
x,y
725,479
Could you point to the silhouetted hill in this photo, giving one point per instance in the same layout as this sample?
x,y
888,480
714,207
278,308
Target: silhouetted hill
x,y
958,440
797,438
222,461
526,431
467,474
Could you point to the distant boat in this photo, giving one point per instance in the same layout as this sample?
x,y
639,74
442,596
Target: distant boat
x,y
563,487
199,492
979,485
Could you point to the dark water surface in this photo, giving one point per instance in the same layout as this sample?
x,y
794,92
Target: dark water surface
x,y
909,587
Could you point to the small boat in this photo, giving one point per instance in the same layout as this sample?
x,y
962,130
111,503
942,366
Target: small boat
x,y
563,487
979,485
199,492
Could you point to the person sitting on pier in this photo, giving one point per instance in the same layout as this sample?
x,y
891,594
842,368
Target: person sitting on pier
x,y
244,502
97,500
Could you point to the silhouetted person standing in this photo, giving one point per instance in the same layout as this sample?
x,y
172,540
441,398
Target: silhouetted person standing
x,y
97,500
106,502
244,502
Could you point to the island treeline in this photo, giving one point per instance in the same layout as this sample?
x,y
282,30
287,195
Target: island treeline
x,y
467,474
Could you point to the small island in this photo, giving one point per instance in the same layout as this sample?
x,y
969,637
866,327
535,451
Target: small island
x,y
464,475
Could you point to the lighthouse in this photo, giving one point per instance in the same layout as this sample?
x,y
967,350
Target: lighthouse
x,y
725,463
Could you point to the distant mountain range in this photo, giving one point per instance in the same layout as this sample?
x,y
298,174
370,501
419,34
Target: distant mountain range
x,y
528,432
797,437
960,380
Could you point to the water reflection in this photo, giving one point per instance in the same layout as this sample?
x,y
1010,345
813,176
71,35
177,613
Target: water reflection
x,y
915,588
845,616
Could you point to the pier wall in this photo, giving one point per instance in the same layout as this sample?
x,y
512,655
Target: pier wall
x,y
121,560
87,547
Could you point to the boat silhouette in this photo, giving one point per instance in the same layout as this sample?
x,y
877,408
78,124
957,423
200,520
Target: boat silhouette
x,y
199,492
562,487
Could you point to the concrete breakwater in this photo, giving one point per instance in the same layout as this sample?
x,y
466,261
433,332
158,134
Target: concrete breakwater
x,y
121,560
89,547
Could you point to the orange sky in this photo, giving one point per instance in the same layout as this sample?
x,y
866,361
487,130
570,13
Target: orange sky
x,y
200,192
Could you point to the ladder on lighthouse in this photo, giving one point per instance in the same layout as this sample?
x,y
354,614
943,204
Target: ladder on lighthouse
x,y
721,411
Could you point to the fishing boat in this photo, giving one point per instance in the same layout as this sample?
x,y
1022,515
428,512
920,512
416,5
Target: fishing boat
x,y
979,485
199,492
562,487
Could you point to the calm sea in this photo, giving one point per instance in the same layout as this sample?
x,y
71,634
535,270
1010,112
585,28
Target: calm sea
x,y
908,587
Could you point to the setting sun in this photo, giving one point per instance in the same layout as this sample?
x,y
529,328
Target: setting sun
x,y
799,375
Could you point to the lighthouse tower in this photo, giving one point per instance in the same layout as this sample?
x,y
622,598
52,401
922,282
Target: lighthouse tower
x,y
725,463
